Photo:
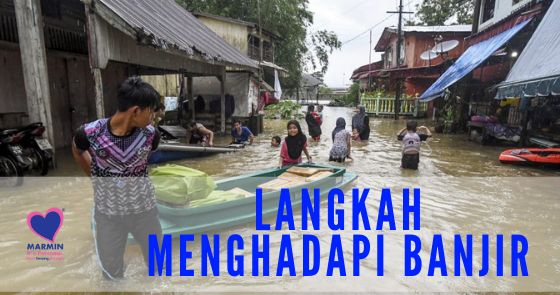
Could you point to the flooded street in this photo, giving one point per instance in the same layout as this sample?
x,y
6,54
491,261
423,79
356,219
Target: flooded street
x,y
464,191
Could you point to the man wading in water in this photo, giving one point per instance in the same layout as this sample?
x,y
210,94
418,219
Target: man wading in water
x,y
119,148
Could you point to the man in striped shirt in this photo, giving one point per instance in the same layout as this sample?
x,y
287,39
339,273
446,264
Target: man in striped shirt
x,y
114,152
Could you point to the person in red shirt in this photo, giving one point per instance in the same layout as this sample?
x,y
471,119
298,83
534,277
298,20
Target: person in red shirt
x,y
293,145
313,125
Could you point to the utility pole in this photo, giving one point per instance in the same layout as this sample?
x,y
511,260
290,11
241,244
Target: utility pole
x,y
369,65
260,35
399,45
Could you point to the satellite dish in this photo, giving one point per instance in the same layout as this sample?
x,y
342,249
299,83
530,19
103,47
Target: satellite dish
x,y
428,55
445,46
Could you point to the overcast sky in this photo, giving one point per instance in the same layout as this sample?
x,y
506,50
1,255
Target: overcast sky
x,y
349,19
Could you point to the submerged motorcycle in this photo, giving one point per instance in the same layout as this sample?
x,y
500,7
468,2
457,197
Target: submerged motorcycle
x,y
39,148
11,160
22,150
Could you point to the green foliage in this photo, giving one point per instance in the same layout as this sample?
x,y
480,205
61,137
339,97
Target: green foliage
x,y
289,19
319,75
341,101
449,115
380,94
283,110
437,12
350,99
325,90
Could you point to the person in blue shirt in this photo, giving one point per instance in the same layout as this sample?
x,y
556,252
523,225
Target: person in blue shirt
x,y
240,133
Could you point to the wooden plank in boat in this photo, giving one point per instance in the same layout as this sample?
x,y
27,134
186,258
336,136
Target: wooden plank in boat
x,y
280,183
318,176
273,185
289,175
241,191
303,171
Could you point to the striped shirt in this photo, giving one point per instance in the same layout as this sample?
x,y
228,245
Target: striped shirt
x,y
119,167
411,142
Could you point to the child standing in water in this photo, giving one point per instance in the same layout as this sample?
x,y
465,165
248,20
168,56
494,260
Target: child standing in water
x,y
411,142
320,115
293,145
356,135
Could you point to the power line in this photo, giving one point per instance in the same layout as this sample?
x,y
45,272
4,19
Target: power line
x,y
341,14
356,37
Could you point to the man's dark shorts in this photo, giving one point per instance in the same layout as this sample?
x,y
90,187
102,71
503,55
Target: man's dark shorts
x,y
410,161
112,235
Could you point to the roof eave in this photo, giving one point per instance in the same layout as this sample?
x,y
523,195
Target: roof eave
x,y
119,23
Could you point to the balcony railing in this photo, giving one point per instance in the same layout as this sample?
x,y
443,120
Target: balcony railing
x,y
254,53
386,106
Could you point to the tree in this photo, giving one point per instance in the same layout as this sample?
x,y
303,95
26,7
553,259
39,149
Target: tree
x,y
319,75
289,19
437,12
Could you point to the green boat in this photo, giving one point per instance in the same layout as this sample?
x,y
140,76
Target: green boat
x,y
178,221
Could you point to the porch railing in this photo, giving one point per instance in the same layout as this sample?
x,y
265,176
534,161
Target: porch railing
x,y
386,106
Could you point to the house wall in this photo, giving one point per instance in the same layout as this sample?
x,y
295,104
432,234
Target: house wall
x,y
166,85
415,45
240,85
234,34
71,90
502,9
70,79
72,95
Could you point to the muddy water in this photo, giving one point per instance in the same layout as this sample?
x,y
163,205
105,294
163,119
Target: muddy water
x,y
464,190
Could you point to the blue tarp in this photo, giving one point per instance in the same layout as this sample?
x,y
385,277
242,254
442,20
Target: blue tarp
x,y
469,61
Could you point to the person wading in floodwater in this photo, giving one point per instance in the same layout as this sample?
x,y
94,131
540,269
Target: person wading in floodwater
x,y
117,161
312,124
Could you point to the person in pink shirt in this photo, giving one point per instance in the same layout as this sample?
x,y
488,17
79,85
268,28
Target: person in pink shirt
x,y
293,145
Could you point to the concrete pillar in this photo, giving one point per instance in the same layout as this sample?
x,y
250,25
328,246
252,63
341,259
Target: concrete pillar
x,y
223,101
99,102
190,96
34,62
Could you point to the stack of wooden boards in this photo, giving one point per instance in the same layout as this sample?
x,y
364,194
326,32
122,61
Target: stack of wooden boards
x,y
294,177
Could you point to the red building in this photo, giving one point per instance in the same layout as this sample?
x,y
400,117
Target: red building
x,y
417,74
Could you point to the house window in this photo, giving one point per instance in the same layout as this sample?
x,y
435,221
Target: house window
x,y
389,62
488,12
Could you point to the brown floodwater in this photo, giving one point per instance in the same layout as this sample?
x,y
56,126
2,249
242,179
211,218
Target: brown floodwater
x,y
464,191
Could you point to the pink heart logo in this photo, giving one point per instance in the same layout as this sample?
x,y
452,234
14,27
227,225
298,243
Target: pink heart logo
x,y
46,226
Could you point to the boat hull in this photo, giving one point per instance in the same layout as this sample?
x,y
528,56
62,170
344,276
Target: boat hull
x,y
166,156
175,152
549,157
196,220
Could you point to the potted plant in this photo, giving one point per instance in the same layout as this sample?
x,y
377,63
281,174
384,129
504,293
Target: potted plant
x,y
449,123
450,118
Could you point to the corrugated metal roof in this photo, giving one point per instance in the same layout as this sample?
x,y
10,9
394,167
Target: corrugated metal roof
x,y
308,80
168,25
433,29
388,32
